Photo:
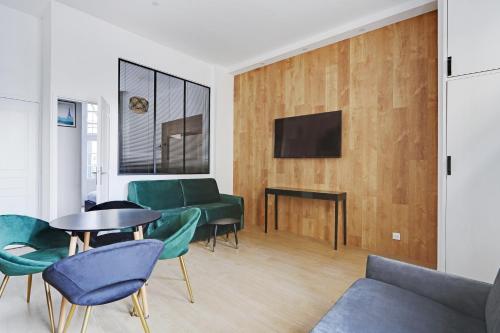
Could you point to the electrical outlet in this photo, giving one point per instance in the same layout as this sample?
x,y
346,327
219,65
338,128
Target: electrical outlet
x,y
396,236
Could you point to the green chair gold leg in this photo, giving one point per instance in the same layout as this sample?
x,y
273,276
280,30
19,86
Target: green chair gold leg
x,y
70,316
28,292
141,314
4,284
50,308
186,278
86,319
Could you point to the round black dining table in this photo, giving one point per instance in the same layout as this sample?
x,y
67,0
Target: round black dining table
x,y
103,220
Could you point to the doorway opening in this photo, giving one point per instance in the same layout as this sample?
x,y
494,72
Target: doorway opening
x,y
77,156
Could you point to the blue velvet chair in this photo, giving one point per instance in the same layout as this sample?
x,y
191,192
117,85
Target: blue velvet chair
x,y
104,275
177,234
50,245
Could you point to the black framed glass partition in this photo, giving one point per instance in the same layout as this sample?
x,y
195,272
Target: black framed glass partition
x,y
164,122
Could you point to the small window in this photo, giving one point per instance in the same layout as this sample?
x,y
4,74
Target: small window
x,y
91,159
91,119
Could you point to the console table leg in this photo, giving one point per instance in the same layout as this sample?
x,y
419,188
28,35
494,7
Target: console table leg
x,y
265,213
276,212
336,223
344,211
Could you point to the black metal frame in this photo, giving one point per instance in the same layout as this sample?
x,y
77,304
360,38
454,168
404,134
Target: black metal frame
x,y
120,60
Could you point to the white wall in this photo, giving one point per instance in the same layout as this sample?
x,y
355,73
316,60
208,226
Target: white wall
x,y
224,130
48,125
20,55
20,84
69,155
84,60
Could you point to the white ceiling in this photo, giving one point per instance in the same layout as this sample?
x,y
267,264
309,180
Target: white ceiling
x,y
234,33
32,7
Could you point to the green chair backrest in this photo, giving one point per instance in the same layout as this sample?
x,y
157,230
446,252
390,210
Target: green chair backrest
x,y
29,231
21,230
177,233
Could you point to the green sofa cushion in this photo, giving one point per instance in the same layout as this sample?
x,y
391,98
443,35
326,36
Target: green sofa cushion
x,y
219,210
199,191
156,194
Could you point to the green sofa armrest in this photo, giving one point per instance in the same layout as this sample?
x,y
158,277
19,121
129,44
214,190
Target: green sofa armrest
x,y
234,199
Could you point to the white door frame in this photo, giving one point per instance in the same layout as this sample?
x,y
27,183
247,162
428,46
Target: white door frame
x,y
53,152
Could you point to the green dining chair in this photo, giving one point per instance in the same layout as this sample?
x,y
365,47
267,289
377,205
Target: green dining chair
x,y
50,245
176,234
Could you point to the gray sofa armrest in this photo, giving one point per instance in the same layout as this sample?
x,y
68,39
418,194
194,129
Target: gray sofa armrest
x,y
464,295
234,199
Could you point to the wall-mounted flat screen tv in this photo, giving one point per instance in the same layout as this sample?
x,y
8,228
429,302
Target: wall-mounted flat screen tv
x,y
315,135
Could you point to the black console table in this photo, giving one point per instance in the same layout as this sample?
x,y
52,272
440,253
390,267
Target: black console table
x,y
310,194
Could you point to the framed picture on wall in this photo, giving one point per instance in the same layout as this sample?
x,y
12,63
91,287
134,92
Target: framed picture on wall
x,y
66,113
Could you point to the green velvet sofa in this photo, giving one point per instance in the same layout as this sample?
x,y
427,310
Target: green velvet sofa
x,y
172,197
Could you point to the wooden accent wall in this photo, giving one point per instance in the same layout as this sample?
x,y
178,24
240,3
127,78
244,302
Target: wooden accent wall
x,y
385,82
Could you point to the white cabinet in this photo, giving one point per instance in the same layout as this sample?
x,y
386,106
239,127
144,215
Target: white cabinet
x,y
473,188
473,35
19,159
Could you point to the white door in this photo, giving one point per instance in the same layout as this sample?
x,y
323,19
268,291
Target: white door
x,y
473,35
473,188
19,157
103,151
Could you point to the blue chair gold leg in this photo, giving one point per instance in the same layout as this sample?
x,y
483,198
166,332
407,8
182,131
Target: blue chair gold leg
x,y
28,292
4,284
49,306
86,319
70,316
134,312
186,278
141,314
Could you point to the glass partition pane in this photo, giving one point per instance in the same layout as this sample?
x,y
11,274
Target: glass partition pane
x,y
197,128
169,153
136,118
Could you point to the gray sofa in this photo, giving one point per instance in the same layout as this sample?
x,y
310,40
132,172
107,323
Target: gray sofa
x,y
398,297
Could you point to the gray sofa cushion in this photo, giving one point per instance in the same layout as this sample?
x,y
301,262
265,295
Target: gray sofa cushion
x,y
371,306
493,308
462,294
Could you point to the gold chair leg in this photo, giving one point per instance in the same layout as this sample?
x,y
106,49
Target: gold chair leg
x,y
28,292
70,316
4,284
134,312
141,314
49,306
186,278
86,319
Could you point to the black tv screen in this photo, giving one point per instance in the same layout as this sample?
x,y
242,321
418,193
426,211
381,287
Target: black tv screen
x,y
316,135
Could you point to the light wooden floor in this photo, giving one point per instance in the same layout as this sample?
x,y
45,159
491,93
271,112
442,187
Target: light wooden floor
x,y
274,283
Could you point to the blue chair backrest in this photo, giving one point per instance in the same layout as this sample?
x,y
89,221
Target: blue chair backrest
x,y
108,265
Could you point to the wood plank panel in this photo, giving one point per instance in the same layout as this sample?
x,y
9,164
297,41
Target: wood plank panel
x,y
385,82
